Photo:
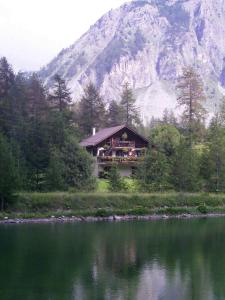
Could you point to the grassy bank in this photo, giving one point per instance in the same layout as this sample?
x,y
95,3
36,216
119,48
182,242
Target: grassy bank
x,y
42,205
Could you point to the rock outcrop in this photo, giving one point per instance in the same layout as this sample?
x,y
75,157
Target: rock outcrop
x,y
147,43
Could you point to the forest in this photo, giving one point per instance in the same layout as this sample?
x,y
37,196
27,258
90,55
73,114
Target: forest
x,y
40,130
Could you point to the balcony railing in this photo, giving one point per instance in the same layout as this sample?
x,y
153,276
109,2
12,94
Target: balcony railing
x,y
123,144
119,159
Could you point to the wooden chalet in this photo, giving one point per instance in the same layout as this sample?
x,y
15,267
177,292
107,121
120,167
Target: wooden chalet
x,y
118,145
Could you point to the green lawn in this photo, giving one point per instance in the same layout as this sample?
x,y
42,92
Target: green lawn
x,y
103,185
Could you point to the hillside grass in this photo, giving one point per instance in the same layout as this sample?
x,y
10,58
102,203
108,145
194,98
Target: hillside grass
x,y
100,204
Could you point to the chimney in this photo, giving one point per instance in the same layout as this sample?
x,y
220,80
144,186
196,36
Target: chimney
x,y
93,131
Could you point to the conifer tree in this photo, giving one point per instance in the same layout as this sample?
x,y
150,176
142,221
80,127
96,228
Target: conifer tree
x,y
8,173
115,114
220,113
19,110
130,112
6,103
36,147
169,117
6,77
92,110
36,98
61,96
78,168
61,117
191,98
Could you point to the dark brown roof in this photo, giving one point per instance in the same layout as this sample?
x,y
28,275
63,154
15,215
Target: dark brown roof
x,y
104,134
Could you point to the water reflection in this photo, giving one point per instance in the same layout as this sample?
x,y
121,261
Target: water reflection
x,y
176,259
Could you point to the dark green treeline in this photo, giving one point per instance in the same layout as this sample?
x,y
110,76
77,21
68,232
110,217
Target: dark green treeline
x,y
40,131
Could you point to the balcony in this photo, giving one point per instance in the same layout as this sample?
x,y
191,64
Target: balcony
x,y
129,160
122,144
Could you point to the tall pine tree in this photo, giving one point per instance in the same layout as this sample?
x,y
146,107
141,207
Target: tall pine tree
x,y
6,104
6,77
92,110
61,96
115,114
37,144
130,112
191,98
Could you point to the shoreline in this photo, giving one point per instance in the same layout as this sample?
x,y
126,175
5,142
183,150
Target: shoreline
x,y
113,218
66,207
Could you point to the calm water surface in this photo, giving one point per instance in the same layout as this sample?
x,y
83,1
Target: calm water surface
x,y
175,259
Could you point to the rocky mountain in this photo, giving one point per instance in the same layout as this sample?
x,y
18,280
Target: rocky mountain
x,y
146,43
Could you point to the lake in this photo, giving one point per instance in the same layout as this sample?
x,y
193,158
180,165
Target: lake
x,y
166,259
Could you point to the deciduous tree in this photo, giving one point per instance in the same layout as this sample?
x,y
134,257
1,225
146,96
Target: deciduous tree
x,y
153,173
213,158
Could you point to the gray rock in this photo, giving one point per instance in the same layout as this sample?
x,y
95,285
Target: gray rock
x,y
147,43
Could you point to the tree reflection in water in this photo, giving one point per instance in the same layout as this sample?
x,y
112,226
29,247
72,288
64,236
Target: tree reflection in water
x,y
175,259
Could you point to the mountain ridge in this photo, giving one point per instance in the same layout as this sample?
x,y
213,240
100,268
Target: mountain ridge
x,y
147,43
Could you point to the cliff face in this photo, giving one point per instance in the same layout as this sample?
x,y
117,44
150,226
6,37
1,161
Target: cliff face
x,y
147,43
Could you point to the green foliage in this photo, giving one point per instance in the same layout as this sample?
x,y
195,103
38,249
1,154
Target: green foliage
x,y
37,155
169,118
153,173
115,114
213,158
41,129
78,166
102,204
55,180
8,173
102,213
165,138
185,170
102,185
61,94
191,97
92,112
116,182
203,209
6,77
130,112
139,211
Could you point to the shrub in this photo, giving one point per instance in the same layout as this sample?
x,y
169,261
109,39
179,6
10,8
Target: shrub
x,y
116,182
139,210
102,213
202,209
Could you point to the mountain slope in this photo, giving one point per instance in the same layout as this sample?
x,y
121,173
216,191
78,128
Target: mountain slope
x,y
147,43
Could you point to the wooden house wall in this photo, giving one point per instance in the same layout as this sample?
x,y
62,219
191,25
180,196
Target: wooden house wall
x,y
131,136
